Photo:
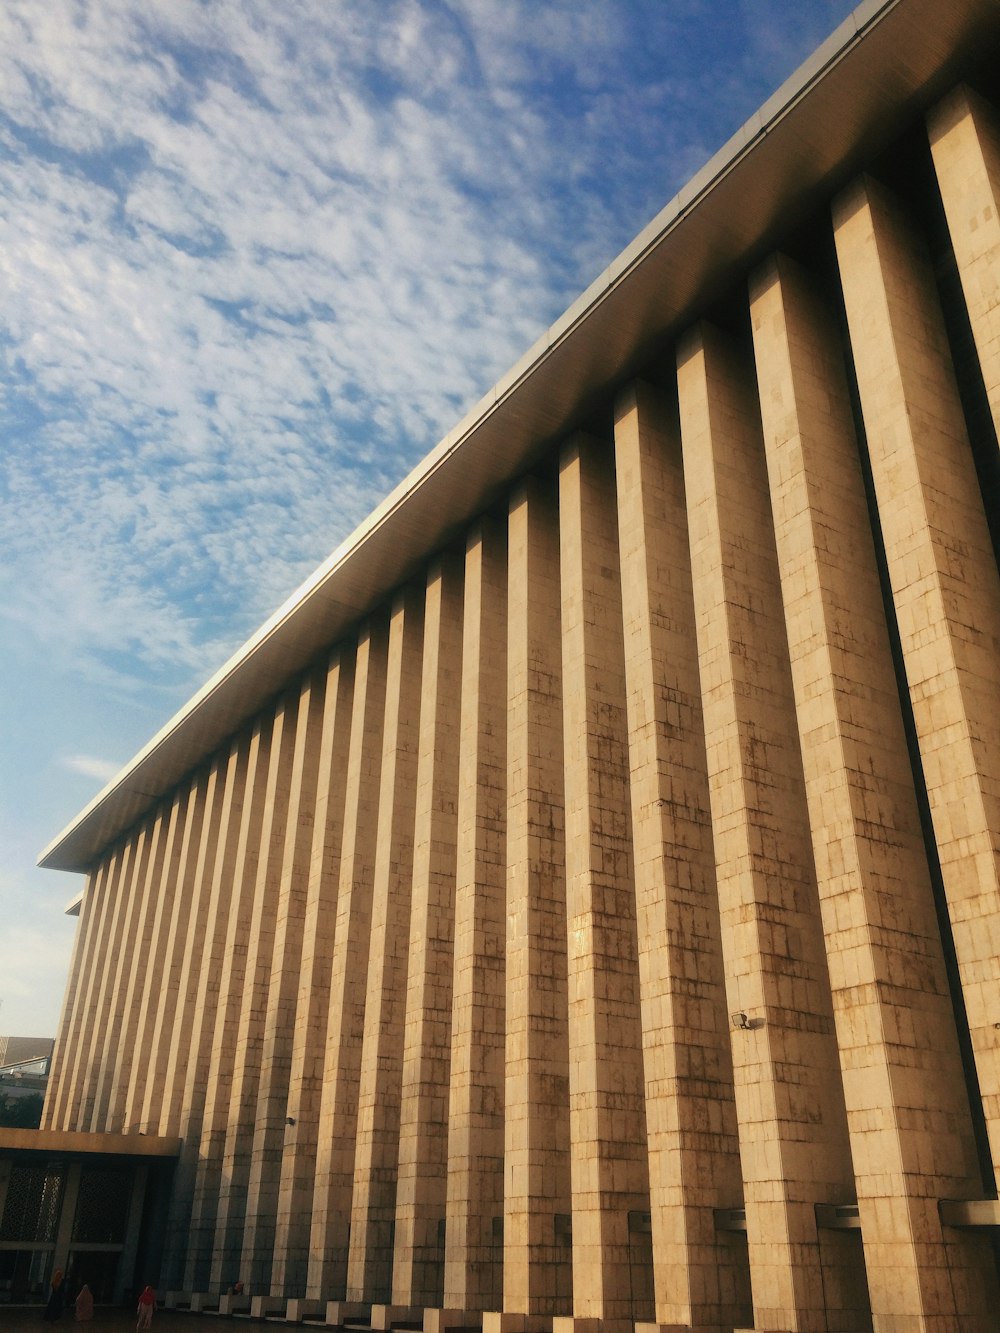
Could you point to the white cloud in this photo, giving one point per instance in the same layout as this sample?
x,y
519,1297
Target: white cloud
x,y
195,310
101,769
257,258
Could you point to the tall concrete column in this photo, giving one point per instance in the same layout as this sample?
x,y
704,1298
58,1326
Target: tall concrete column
x,y
171,1002
96,1055
473,1274
231,1216
609,1166
694,1162
112,1055
328,1245
869,850
67,1217
279,1019
373,1203
789,1101
126,1274
537,1274
965,144
195,1070
150,869
82,1027
418,1262
298,1163
61,1078
153,946
57,1068
945,582
182,1045
238,884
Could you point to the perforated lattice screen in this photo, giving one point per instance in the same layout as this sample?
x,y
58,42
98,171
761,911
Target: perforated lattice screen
x,y
31,1209
102,1208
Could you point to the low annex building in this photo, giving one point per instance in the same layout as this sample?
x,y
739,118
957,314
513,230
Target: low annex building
x,y
579,905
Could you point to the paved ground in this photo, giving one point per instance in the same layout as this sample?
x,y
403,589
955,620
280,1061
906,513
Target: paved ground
x,y
28,1319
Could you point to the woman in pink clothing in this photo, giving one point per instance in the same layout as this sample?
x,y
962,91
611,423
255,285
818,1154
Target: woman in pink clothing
x,y
84,1304
145,1308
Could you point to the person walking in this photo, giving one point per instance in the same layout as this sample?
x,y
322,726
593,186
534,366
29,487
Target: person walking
x,y
57,1297
145,1308
84,1304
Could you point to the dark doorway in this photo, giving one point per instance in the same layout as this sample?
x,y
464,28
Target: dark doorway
x,y
99,1269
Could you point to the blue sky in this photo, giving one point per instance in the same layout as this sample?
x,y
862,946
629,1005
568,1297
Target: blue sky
x,y
255,260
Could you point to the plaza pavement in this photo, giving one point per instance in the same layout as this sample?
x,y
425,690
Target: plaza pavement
x,y
109,1319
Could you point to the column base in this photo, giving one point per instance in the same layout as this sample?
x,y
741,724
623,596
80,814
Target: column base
x,y
300,1307
177,1300
595,1324
499,1321
234,1304
204,1302
384,1316
677,1328
338,1312
437,1321
262,1306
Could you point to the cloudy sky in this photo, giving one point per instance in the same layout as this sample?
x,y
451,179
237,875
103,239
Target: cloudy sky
x,y
256,259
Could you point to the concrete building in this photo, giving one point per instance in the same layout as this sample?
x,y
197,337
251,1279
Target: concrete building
x,y
25,1052
578,906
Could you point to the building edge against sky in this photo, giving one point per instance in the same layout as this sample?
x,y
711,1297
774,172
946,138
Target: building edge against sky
x,y
580,901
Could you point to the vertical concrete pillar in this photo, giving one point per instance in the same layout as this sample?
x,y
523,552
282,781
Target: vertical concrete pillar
x,y
67,1217
169,1026
870,858
150,869
57,1067
184,1030
735,528
369,1267
125,1277
694,1162
793,1138
473,1272
329,1233
58,1093
194,1070
231,1217
279,1019
965,144
537,1275
239,881
82,1029
97,1058
163,891
110,1057
298,1164
418,1262
609,1166
945,583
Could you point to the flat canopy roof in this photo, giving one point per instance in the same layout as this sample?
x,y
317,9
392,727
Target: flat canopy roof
x,y
68,1143
856,93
